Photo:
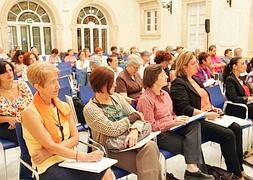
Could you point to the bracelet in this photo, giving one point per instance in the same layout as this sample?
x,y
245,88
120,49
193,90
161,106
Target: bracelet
x,y
76,156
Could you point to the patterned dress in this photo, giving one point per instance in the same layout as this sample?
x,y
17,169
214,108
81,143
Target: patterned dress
x,y
13,108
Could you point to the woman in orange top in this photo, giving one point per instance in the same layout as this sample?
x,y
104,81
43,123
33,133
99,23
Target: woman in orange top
x,y
50,131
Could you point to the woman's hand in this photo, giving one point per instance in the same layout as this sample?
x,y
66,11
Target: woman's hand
x,y
40,156
212,115
217,110
12,121
91,157
131,139
180,120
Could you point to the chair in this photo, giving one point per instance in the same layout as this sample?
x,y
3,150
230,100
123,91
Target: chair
x,y
80,127
27,171
86,93
219,100
65,88
216,96
5,145
33,90
65,69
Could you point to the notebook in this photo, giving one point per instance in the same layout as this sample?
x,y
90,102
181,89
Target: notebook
x,y
95,167
191,119
142,142
226,121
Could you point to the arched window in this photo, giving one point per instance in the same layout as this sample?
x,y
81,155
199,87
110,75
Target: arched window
x,y
29,25
92,29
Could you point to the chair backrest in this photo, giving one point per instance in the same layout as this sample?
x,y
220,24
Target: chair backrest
x,y
25,156
72,107
216,96
33,90
64,91
65,68
82,77
86,93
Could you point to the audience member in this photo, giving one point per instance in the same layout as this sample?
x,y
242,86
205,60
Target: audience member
x,y
134,50
238,52
113,62
82,62
156,106
29,58
204,70
129,83
54,58
190,98
3,55
15,96
18,61
145,56
152,57
236,90
217,63
50,131
70,57
227,56
109,115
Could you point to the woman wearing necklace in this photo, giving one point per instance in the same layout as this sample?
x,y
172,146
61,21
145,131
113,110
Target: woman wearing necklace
x,y
50,132
236,90
14,97
109,115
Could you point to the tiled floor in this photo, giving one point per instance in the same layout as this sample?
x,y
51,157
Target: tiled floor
x,y
175,165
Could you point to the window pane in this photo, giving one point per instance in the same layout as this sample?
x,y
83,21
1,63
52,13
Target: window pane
x,y
148,14
87,38
79,39
12,37
15,9
79,20
148,28
103,21
24,38
82,13
47,40
45,18
23,5
11,16
41,11
100,14
90,19
95,38
36,38
32,6
104,40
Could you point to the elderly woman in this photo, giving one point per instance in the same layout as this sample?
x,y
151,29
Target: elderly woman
x,y
156,106
129,83
190,98
50,131
15,96
113,62
109,115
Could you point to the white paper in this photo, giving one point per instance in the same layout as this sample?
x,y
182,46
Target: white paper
x,y
95,167
191,119
209,82
142,142
226,121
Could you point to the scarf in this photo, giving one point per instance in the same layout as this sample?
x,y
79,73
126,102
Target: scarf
x,y
46,114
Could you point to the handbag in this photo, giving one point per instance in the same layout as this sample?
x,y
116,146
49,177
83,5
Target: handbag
x,y
117,143
221,174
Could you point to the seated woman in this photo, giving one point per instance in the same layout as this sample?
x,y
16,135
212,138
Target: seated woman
x,y
165,59
49,130
156,106
109,115
128,82
236,90
18,62
190,98
15,96
204,72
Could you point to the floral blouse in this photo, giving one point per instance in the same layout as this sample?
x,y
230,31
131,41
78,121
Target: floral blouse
x,y
14,107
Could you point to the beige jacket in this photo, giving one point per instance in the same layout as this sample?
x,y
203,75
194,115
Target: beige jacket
x,y
102,127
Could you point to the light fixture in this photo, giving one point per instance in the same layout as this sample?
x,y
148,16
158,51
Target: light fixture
x,y
167,4
229,2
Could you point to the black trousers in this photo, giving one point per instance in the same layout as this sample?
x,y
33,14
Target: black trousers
x,y
9,134
230,140
60,173
185,141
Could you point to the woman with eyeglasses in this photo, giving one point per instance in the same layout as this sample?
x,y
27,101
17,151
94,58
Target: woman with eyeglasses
x,y
49,130
236,89
128,82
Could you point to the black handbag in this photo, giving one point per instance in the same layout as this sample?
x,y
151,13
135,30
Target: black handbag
x,y
221,174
